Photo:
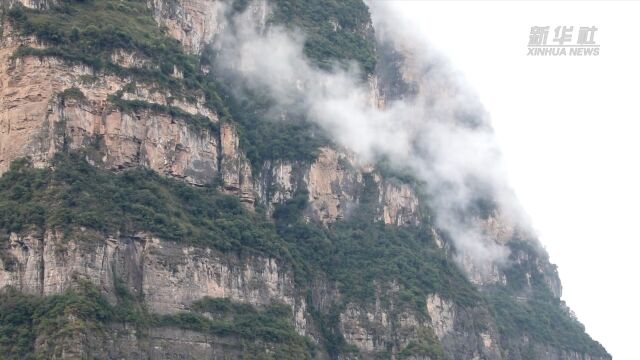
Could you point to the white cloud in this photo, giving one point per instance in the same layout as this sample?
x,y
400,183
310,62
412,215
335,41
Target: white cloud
x,y
567,127
440,133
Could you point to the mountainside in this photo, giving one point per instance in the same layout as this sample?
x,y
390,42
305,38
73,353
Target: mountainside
x,y
166,195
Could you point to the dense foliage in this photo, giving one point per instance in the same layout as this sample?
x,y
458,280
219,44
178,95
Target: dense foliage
x,y
335,30
17,335
359,252
428,345
224,317
89,31
356,252
83,310
264,137
77,194
25,317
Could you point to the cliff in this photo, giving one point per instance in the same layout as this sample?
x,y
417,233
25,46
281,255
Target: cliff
x,y
147,210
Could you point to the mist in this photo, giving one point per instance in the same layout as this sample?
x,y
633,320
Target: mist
x,y
437,130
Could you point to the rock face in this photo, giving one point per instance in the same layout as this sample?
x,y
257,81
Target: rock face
x,y
192,22
36,121
48,106
236,170
335,184
332,186
377,330
169,276
195,23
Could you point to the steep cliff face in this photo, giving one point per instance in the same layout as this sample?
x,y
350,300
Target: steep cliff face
x,y
41,116
170,277
52,118
327,258
195,23
334,183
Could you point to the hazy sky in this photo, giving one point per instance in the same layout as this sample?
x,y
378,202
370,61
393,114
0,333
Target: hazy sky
x,y
568,128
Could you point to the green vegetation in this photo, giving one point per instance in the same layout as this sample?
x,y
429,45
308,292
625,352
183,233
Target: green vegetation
x,y
223,318
82,309
77,194
17,335
72,93
428,345
263,137
543,319
334,29
360,252
89,31
357,252
25,317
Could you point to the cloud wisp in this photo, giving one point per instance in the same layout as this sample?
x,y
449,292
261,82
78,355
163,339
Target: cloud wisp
x,y
436,129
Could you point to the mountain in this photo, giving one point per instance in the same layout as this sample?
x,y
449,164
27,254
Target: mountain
x,y
184,179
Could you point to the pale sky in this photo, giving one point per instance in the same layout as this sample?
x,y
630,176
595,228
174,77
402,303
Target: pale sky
x,y
569,131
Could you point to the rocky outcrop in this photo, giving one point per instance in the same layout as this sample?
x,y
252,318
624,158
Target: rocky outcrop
x,y
333,186
175,276
169,276
335,183
388,330
399,203
195,23
235,168
192,22
143,138
519,250
277,183
465,332
442,315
